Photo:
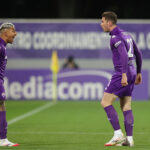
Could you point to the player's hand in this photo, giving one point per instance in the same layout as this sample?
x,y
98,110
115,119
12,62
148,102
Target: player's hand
x,y
138,79
124,80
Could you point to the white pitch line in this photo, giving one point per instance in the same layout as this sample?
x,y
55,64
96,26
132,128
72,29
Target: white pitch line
x,y
73,133
28,114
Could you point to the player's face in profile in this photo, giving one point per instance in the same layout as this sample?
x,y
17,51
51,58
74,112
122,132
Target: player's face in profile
x,y
11,33
104,25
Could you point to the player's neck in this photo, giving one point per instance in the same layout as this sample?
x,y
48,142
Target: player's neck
x,y
112,27
3,38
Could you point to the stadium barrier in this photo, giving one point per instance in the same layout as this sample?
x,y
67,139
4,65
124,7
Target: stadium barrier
x,y
38,39
72,84
83,39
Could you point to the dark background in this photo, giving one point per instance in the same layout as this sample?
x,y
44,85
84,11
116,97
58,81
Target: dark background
x,y
125,9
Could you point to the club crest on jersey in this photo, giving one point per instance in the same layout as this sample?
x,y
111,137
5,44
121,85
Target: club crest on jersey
x,y
3,94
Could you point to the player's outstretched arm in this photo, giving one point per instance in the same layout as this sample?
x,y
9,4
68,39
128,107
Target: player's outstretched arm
x,y
138,55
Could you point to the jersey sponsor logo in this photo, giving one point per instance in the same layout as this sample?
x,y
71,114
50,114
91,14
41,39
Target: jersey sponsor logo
x,y
117,44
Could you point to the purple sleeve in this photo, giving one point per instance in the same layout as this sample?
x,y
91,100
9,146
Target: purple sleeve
x,y
138,55
1,52
123,57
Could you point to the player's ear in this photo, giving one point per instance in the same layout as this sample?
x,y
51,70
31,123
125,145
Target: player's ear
x,y
6,32
109,23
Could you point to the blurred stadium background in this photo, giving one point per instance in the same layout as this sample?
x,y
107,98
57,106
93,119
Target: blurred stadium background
x,y
72,28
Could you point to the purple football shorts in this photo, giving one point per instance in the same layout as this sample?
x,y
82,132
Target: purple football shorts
x,y
115,87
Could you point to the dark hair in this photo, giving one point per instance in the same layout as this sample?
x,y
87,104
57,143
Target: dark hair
x,y
109,15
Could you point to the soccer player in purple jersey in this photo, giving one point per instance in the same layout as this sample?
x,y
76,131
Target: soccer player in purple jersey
x,y
124,51
7,35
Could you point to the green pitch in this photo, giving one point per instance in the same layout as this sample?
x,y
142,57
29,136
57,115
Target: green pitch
x,y
71,125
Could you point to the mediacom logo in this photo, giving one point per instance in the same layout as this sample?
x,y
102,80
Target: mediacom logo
x,y
37,88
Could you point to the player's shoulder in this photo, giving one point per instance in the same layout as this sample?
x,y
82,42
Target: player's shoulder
x,y
126,35
115,37
116,40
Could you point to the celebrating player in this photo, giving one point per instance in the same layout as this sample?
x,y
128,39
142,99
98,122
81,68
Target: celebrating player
x,y
121,85
7,35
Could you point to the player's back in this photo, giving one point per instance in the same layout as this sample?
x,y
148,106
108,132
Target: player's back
x,y
121,44
128,41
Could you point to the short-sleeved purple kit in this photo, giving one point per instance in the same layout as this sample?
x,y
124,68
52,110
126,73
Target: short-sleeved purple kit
x,y
123,50
3,62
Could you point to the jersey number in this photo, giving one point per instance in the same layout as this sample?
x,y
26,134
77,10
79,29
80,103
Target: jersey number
x,y
130,54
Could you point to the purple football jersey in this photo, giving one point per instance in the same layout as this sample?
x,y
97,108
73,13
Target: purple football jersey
x,y
3,62
3,58
123,50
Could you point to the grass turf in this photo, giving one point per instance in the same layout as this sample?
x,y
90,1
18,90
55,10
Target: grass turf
x,y
72,125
